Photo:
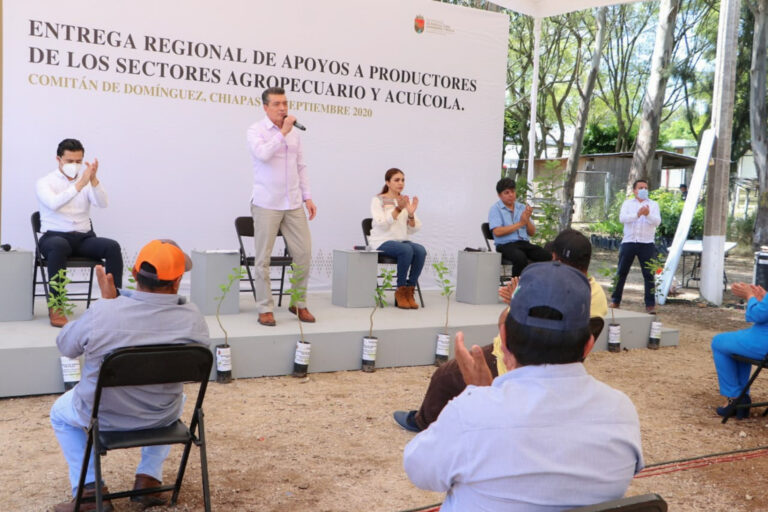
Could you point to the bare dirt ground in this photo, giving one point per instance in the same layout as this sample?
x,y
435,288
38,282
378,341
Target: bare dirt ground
x,y
328,443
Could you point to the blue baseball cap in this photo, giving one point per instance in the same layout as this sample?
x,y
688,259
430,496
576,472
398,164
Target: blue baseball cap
x,y
554,285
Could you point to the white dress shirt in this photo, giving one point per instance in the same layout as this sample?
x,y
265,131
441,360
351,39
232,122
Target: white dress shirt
x,y
62,207
385,227
540,438
280,179
640,229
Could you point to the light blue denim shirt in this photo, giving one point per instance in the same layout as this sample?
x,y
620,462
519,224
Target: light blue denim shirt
x,y
540,438
134,318
500,215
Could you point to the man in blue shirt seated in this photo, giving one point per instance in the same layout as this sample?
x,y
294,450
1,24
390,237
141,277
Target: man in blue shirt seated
x,y
511,225
545,436
151,314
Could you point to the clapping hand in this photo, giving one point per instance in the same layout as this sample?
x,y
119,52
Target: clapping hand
x,y
412,205
526,215
402,202
644,210
745,291
506,291
106,283
472,363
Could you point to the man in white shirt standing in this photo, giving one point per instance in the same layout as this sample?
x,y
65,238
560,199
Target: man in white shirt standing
x,y
65,196
640,217
280,186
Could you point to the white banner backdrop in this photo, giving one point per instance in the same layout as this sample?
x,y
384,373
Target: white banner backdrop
x,y
162,94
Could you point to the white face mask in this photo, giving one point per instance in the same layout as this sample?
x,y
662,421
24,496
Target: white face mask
x,y
71,170
642,194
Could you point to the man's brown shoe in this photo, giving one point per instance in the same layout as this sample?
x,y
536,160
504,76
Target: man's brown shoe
x,y
614,305
267,319
149,500
88,490
57,319
304,314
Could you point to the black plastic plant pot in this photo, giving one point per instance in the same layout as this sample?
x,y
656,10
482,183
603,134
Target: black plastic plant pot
x,y
223,364
370,344
654,338
301,359
442,348
614,338
70,372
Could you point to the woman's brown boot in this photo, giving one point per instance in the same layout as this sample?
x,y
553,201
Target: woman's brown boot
x,y
401,297
411,300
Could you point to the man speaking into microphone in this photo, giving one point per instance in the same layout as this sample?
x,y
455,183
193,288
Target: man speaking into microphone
x,y
280,186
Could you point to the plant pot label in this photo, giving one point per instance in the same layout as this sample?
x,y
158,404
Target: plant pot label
x,y
655,331
302,353
443,344
70,369
369,348
614,334
224,359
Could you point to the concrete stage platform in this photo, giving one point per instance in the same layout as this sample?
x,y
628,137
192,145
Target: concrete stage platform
x,y
29,359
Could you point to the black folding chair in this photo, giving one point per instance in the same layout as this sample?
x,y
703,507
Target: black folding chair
x,y
487,235
72,262
642,503
244,227
759,364
140,366
383,258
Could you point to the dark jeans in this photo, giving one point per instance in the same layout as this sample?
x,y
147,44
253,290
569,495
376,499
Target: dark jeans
x,y
627,253
445,385
521,253
57,246
409,255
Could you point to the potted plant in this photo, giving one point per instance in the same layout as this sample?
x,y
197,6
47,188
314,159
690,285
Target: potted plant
x,y
60,303
446,289
370,342
223,351
614,329
303,347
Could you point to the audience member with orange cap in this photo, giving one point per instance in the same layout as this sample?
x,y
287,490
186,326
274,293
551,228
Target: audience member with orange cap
x,y
154,313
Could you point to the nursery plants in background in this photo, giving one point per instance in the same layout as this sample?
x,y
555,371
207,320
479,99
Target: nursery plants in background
x,y
303,348
223,351
442,348
370,342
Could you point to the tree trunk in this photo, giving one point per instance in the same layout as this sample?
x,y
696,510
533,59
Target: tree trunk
x,y
648,135
758,117
581,123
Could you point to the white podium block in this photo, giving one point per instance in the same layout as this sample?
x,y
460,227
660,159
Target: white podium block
x,y
477,277
354,278
15,285
210,270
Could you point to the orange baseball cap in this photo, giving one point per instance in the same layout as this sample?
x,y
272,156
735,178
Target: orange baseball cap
x,y
168,259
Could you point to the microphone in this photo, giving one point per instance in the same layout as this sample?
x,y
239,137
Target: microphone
x,y
299,126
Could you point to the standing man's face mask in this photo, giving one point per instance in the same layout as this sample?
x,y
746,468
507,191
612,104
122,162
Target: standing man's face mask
x,y
642,194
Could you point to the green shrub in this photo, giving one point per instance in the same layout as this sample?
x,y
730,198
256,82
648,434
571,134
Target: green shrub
x,y
741,230
671,207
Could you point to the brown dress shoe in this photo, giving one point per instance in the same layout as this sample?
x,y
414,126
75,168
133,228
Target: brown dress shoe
x,y
57,319
267,319
304,314
149,500
613,305
411,300
401,297
88,490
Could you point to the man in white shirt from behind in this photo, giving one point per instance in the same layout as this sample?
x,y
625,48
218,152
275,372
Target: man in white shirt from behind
x,y
65,196
545,436
640,216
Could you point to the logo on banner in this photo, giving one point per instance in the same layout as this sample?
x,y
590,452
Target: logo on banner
x,y
431,26
418,24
